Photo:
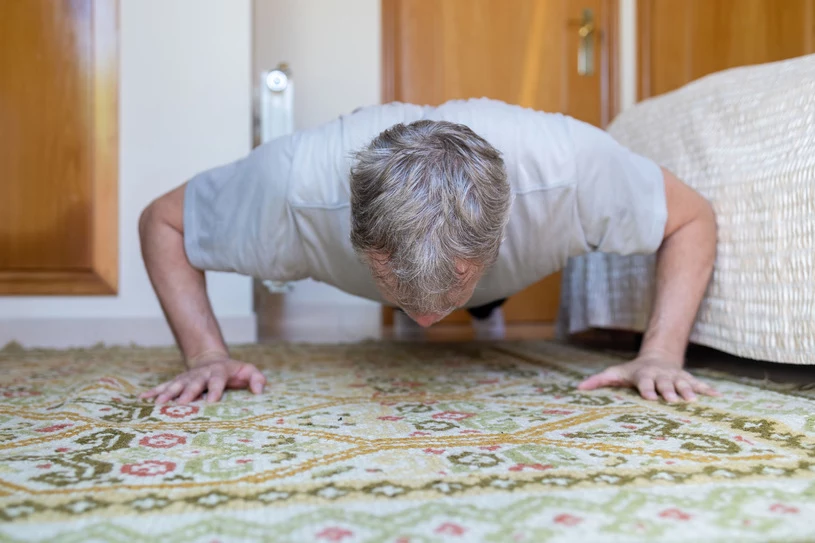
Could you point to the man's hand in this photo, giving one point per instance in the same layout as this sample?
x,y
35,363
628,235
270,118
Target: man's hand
x,y
213,376
653,376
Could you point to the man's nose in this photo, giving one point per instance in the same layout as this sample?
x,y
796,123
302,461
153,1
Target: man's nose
x,y
426,320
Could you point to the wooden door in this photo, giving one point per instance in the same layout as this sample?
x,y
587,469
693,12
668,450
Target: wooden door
x,y
523,52
58,147
683,40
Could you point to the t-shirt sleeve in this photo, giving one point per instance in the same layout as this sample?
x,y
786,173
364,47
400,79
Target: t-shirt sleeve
x,y
620,194
237,218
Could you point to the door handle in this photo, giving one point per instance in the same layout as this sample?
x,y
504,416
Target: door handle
x,y
585,51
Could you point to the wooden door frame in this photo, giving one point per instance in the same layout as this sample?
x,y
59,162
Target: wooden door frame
x,y
103,275
609,79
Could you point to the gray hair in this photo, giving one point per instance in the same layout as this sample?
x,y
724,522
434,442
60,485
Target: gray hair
x,y
425,196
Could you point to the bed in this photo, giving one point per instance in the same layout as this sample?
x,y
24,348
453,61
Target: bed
x,y
745,139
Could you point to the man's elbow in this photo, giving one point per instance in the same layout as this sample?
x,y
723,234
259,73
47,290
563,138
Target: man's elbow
x,y
166,210
708,217
150,221
147,218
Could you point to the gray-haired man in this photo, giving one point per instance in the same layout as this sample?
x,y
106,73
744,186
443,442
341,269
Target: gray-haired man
x,y
429,209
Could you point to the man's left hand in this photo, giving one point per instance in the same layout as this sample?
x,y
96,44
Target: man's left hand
x,y
653,376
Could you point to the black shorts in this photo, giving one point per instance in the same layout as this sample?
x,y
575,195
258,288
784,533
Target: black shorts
x,y
484,311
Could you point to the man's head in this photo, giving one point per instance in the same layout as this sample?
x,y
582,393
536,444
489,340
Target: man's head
x,y
429,203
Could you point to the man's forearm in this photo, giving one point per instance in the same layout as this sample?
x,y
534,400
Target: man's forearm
x,y
684,267
181,289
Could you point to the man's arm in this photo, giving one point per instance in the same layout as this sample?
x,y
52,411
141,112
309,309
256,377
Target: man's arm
x,y
684,266
181,289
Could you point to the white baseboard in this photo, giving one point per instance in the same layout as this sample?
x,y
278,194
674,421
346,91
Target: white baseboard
x,y
86,332
314,322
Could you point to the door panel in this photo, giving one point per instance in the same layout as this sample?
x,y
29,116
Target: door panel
x,y
522,52
58,146
683,40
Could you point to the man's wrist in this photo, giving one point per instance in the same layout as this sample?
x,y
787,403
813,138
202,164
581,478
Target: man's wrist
x,y
208,356
669,355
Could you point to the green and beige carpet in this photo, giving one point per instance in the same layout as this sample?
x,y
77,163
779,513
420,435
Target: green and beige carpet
x,y
395,443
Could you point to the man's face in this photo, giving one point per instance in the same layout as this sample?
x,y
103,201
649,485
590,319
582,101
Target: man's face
x,y
470,275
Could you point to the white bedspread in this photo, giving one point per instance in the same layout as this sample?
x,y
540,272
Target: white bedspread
x,y
745,139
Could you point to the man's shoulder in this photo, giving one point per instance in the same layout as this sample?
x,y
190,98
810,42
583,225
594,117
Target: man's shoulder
x,y
322,156
536,146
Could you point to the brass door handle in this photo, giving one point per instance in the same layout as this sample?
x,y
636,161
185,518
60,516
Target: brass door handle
x,y
585,51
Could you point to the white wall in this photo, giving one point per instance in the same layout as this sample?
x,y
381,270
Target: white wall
x,y
333,48
334,52
185,106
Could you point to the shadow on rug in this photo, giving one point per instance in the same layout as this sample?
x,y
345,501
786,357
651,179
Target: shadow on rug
x,y
393,442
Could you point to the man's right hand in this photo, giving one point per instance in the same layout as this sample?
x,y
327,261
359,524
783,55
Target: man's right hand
x,y
212,375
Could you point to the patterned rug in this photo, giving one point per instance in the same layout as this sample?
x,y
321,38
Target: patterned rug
x,y
385,442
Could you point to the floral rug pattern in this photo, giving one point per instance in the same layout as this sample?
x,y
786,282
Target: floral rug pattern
x,y
395,443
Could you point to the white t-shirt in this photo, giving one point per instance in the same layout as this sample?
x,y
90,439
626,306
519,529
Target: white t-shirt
x,y
283,212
